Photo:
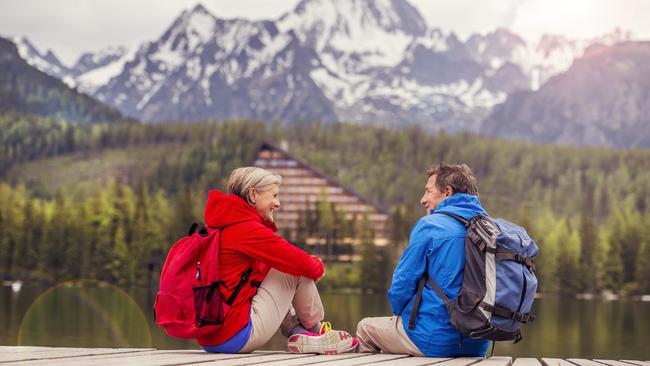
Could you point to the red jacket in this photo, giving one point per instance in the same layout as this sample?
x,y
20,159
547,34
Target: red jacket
x,y
249,240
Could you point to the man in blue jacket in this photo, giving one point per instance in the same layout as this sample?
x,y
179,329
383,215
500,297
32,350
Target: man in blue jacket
x,y
436,245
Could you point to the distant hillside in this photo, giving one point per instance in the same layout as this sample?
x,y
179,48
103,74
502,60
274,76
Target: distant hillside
x,y
603,99
26,90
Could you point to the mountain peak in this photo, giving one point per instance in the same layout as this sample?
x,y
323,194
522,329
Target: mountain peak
x,y
191,28
200,9
390,15
375,32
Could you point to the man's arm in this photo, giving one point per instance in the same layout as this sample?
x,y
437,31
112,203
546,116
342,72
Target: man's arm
x,y
410,268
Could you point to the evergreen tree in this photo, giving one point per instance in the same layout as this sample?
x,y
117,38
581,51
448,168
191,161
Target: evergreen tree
x,y
643,268
588,274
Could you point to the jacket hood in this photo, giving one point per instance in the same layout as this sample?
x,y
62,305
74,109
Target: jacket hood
x,y
461,204
223,210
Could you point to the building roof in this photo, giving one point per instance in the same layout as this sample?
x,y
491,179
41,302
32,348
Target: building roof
x,y
316,171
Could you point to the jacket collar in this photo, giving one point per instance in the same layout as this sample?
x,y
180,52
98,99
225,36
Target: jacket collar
x,y
465,205
223,210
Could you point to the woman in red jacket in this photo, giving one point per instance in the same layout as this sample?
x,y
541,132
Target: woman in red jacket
x,y
276,281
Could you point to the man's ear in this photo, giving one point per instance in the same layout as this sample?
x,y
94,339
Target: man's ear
x,y
449,191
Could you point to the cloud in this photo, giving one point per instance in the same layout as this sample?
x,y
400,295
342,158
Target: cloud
x,y
465,17
582,18
71,27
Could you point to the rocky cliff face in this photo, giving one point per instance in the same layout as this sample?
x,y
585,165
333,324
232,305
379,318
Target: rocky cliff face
x,y
603,99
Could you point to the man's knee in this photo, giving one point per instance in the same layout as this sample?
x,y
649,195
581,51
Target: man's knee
x,y
362,327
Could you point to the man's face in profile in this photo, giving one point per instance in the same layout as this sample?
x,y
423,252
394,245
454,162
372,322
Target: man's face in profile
x,y
432,196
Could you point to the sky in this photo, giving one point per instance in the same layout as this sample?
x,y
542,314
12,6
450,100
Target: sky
x,y
71,27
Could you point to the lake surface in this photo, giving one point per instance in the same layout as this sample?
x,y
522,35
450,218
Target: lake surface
x,y
101,315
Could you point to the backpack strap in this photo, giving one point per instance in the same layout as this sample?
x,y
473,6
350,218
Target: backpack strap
x,y
460,219
418,297
505,313
425,278
242,282
203,230
507,255
192,229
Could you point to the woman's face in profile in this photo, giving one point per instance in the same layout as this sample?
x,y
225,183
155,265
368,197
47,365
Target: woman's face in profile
x,y
265,202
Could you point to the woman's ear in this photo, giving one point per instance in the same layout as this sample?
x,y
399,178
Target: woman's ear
x,y
449,191
252,195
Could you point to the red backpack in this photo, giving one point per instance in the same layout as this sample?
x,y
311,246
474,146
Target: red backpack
x,y
189,303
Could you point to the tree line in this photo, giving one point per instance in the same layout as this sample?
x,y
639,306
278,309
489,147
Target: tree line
x,y
587,208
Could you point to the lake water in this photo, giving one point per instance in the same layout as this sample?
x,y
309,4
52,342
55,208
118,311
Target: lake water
x,y
100,315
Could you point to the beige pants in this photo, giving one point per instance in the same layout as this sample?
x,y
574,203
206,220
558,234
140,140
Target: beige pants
x,y
385,334
282,301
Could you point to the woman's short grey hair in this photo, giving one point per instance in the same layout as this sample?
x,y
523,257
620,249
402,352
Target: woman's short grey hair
x,y
243,179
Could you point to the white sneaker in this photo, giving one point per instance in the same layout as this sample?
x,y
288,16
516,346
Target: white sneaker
x,y
327,342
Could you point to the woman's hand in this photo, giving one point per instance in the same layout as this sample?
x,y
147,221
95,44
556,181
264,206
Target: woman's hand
x,y
321,261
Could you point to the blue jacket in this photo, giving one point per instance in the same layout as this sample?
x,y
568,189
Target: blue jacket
x,y
437,246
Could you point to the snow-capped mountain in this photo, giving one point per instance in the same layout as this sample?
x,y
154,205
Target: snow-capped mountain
x,y
46,62
601,100
203,67
550,56
366,61
93,70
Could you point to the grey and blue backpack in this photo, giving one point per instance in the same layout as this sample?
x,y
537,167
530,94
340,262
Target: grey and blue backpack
x,y
499,282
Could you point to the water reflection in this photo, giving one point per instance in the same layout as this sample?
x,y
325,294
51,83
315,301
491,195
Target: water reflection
x,y
98,315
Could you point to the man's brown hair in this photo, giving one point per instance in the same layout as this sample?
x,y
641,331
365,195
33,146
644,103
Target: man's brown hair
x,y
457,176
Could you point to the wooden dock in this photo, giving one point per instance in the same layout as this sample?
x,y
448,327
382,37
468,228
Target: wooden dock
x,y
10,355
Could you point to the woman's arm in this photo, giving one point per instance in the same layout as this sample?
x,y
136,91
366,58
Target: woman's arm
x,y
261,243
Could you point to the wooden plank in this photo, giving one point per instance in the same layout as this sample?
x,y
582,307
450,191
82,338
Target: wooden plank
x,y
496,361
420,361
461,361
369,359
257,358
638,363
27,349
319,358
30,354
613,362
57,359
144,358
584,362
526,362
556,362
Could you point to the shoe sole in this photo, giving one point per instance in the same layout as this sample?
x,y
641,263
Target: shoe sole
x,y
330,343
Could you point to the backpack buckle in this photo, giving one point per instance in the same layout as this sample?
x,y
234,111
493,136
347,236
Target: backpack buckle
x,y
523,318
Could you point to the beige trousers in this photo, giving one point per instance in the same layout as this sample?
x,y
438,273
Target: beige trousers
x,y
385,334
282,301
